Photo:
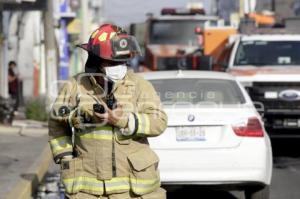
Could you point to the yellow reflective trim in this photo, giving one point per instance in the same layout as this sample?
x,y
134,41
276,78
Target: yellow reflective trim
x,y
96,136
112,34
98,133
144,124
80,183
103,37
95,33
115,188
76,188
141,186
57,151
76,184
140,190
59,139
105,128
140,124
146,181
118,183
61,144
147,125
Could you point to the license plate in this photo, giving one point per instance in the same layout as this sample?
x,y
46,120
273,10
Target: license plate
x,y
190,134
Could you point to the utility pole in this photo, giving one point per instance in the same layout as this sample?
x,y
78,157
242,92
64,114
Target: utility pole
x,y
4,23
3,67
273,5
218,7
242,8
50,51
97,6
85,28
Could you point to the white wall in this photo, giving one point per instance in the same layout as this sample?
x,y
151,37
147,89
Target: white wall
x,y
24,41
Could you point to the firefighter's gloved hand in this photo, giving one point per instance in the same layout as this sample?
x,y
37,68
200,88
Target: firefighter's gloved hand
x,y
128,132
76,121
79,117
116,117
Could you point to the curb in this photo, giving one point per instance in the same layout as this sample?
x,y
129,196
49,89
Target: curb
x,y
29,181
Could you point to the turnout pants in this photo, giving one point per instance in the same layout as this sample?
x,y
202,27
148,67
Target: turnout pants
x,y
158,194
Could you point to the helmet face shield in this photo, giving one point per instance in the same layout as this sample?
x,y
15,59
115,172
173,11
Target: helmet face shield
x,y
124,47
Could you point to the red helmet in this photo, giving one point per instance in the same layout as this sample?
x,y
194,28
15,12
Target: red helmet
x,y
112,43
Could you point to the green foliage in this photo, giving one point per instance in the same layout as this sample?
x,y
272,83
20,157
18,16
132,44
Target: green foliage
x,y
36,109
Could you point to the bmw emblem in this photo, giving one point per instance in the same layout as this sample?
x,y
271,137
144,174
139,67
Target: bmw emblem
x,y
191,118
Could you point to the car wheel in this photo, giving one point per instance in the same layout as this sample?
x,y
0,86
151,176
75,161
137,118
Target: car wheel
x,y
258,192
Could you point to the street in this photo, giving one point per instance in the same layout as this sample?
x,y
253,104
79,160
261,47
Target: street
x,y
85,83
285,180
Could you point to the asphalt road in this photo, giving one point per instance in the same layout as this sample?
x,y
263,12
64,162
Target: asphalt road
x,y
285,181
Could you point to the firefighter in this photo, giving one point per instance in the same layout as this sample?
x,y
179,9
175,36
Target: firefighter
x,y
100,122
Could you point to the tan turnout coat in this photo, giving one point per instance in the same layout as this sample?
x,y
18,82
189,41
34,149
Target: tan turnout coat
x,y
107,162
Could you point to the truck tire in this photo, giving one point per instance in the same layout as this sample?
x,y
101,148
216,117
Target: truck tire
x,y
258,192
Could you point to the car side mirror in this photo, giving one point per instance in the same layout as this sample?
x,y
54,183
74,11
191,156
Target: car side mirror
x,y
259,107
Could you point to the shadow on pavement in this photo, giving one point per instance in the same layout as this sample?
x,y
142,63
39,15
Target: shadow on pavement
x,y
33,178
286,153
196,192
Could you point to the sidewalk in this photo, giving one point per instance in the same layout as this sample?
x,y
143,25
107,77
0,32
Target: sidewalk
x,y
24,158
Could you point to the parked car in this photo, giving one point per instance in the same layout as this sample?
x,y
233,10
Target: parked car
x,y
271,79
215,136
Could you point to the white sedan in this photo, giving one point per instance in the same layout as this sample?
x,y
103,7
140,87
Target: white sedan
x,y
215,135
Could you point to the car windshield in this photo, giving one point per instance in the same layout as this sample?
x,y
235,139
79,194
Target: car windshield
x,y
167,32
262,53
198,91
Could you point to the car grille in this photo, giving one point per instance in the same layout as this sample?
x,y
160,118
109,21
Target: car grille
x,y
257,92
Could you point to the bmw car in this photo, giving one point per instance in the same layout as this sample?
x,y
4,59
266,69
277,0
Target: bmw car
x,y
214,137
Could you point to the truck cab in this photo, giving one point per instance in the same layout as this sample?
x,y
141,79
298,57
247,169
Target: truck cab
x,y
268,65
174,39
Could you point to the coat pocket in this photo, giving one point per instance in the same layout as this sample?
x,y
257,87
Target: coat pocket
x,y
144,175
70,173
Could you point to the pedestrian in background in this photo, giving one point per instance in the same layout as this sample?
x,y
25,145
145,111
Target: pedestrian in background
x,y
13,83
112,111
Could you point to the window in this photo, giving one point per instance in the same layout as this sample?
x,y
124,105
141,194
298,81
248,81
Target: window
x,y
195,91
261,53
175,32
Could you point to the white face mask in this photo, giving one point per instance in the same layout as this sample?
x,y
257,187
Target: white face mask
x,y
116,73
